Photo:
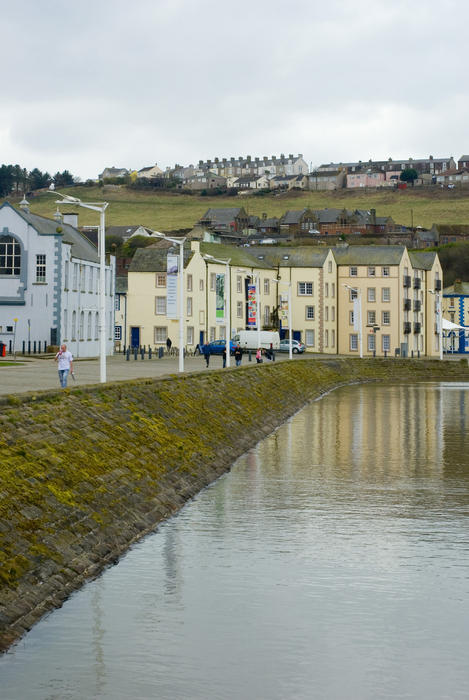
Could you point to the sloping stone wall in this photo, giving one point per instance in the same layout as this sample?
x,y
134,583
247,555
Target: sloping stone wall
x,y
86,472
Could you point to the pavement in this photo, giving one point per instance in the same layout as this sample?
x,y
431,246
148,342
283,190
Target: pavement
x,y
35,374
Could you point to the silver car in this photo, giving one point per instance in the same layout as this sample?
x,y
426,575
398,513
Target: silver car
x,y
297,346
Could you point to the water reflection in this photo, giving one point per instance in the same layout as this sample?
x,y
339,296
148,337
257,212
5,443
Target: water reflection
x,y
332,562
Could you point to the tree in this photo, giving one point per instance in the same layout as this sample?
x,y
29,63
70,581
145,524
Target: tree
x,y
63,179
37,179
130,246
409,175
7,179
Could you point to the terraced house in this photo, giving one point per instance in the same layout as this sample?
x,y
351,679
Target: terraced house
x,y
368,300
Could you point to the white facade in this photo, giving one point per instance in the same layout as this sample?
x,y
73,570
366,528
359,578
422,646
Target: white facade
x,y
49,285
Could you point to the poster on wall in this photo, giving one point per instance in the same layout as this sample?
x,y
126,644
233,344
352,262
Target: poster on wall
x,y
220,298
172,286
283,311
252,305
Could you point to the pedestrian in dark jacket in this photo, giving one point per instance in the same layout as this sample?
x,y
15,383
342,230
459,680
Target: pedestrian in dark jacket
x,y
238,355
206,353
224,356
168,345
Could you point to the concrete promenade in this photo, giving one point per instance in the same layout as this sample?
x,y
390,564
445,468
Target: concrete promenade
x,y
35,374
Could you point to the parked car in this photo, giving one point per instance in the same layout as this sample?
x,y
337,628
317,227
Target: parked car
x,y
296,346
217,347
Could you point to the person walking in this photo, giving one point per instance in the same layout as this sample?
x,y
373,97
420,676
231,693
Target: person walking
x,y
272,353
224,356
238,355
206,353
168,345
65,359
259,356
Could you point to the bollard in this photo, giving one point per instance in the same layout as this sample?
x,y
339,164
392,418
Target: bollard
x,y
9,348
39,347
24,347
412,354
34,347
149,352
29,347
127,354
160,352
250,356
135,353
385,353
142,353
374,353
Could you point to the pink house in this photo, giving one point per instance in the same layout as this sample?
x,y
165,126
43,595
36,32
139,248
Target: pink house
x,y
366,179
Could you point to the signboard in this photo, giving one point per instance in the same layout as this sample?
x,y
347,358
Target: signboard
x,y
252,305
283,310
172,286
220,298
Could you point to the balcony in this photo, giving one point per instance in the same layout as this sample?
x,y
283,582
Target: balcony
x,y
417,328
407,281
417,283
407,304
417,305
407,327
437,285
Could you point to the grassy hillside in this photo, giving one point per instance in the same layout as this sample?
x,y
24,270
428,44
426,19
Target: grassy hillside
x,y
172,211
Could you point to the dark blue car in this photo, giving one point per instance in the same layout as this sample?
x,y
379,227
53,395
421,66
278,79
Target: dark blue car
x,y
217,346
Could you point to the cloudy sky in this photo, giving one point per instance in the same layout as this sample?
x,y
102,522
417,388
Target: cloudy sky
x,y
112,82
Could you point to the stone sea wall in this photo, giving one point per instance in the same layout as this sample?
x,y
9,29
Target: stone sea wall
x,y
86,472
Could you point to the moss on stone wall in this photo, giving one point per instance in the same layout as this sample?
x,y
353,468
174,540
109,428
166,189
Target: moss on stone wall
x,y
86,472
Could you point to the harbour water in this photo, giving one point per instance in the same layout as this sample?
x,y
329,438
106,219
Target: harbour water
x,y
331,563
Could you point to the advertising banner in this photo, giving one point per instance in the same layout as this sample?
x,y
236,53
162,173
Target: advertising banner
x,y
283,310
220,298
252,305
172,286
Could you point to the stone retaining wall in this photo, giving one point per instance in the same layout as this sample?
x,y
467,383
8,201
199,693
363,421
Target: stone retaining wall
x,y
86,472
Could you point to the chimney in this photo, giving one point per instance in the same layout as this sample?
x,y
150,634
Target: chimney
x,y
58,216
24,205
70,218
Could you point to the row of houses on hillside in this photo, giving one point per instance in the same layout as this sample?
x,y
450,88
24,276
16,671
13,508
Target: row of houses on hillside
x,y
348,299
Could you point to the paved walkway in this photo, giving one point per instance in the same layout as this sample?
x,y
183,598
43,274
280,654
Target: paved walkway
x,y
34,374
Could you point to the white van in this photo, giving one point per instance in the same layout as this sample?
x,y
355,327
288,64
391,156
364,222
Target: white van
x,y
248,340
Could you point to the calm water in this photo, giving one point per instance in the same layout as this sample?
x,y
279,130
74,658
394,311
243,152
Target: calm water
x,y
331,563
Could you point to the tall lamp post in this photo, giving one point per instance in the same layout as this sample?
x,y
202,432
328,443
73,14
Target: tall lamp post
x,y
180,242
357,322
210,258
101,208
290,329
439,315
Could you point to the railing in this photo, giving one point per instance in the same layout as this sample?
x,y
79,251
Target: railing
x,y
417,304
407,281
407,327
438,285
417,283
407,304
417,327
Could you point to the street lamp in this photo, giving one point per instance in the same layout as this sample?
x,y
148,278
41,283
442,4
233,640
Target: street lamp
x,y
210,258
290,328
357,317
255,277
101,208
180,242
439,315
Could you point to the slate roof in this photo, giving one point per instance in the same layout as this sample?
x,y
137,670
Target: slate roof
x,y
457,288
82,248
239,256
293,216
422,260
369,255
295,256
122,284
154,259
221,216
121,231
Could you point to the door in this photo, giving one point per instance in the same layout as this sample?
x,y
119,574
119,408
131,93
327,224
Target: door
x,y
297,336
201,338
135,336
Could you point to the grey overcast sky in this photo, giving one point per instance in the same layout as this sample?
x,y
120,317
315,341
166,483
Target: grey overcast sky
x,y
118,83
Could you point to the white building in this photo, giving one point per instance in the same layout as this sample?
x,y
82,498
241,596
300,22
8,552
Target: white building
x,y
49,284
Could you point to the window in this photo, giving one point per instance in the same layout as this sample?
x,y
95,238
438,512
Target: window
x,y
66,274
82,326
385,271
267,286
189,306
329,266
333,338
201,317
310,313
333,290
96,325
190,335
372,271
212,334
160,306
371,318
117,302
386,318
386,294
65,326
326,289
74,325
371,342
201,285
353,272
332,313
117,332
326,313
98,279
160,334
213,281
75,276
386,342
91,282
82,278
451,302
326,338
10,256
309,338
40,268
222,332
88,328
266,315
371,294
305,288
189,283
239,283
160,280
239,309
351,318
353,342
353,294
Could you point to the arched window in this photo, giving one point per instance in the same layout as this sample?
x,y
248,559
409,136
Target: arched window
x,y
10,256
82,323
89,324
96,325
74,325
